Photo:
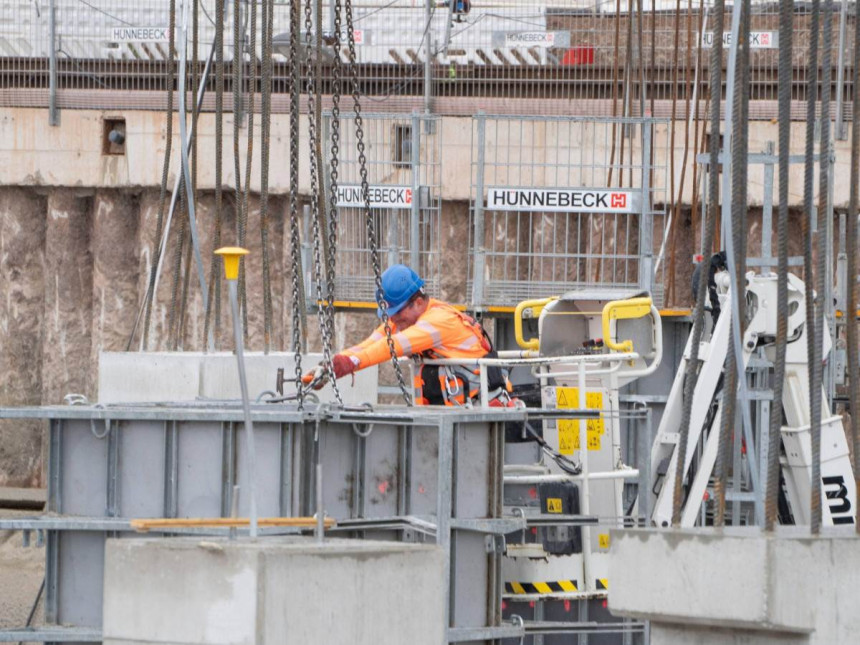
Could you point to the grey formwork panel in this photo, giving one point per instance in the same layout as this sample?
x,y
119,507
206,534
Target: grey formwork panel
x,y
438,469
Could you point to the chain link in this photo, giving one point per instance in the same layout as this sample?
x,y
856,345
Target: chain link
x,y
372,238
333,220
295,240
322,310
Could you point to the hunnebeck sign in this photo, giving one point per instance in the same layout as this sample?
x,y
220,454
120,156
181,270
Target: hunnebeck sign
x,y
564,200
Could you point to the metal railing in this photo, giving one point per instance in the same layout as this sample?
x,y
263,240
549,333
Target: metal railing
x,y
413,54
566,203
404,176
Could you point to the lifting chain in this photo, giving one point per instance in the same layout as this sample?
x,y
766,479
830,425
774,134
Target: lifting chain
x,y
295,240
326,327
333,220
372,239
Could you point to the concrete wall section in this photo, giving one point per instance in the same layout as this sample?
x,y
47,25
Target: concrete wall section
x,y
22,237
291,591
71,154
131,377
738,585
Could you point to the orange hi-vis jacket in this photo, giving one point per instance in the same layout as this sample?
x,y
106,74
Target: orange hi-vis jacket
x,y
441,330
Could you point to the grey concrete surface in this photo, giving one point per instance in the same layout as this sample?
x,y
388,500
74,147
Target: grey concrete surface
x,y
738,585
290,591
134,377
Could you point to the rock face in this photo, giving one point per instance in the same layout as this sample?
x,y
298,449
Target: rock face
x,y
22,270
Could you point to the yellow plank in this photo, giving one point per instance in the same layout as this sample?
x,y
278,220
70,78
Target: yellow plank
x,y
148,524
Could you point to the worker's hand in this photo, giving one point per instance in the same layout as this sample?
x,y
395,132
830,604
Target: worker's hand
x,y
343,365
316,376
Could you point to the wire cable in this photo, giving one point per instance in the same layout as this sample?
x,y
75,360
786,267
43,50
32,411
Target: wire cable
x,y
786,29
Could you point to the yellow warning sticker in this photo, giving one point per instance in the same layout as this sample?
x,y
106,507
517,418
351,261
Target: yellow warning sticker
x,y
553,505
568,429
603,540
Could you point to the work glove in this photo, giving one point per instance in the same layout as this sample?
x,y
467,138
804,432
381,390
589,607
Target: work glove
x,y
343,365
315,376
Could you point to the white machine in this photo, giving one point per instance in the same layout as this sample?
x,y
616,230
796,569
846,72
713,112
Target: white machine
x,y
838,494
588,347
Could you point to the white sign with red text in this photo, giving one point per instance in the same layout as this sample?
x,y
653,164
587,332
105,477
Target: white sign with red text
x,y
564,200
349,195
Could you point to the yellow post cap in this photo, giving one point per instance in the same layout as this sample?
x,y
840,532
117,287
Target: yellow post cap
x,y
231,255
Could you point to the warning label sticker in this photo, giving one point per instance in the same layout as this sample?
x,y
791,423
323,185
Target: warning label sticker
x,y
568,429
380,196
564,200
553,505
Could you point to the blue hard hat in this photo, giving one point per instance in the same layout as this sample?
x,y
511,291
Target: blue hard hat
x,y
399,284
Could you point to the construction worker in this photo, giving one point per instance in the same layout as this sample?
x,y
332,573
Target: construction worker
x,y
426,327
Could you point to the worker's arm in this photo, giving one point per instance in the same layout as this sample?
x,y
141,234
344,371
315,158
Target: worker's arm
x,y
418,338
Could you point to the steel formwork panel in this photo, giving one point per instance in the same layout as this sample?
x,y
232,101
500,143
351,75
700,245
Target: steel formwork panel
x,y
425,473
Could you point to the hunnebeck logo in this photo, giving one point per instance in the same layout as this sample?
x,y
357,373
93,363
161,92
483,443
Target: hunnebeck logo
x,y
380,196
585,200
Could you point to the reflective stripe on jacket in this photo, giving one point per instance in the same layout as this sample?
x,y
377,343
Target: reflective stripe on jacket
x,y
441,331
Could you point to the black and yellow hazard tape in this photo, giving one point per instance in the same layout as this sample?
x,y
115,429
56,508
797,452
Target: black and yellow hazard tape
x,y
553,586
602,583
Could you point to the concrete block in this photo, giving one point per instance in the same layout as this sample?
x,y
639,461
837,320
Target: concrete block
x,y
139,377
291,591
704,577
147,377
738,585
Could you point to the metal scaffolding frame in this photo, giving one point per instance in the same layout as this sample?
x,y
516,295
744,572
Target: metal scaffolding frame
x,y
414,475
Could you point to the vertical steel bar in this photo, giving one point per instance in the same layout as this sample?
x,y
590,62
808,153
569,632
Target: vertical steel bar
x,y
246,406
428,64
414,230
767,214
841,133
644,464
584,506
319,531
285,505
185,137
53,112
478,246
55,476
444,506
646,222
113,436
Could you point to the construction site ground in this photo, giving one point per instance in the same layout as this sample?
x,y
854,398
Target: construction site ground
x,y
21,573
